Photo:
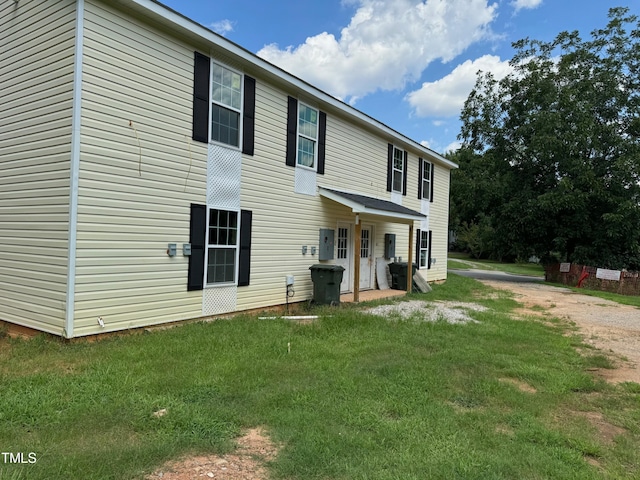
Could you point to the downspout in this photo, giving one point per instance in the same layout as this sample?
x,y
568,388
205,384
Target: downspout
x,y
74,170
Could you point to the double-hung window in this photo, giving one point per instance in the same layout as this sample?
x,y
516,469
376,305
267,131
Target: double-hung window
x,y
222,246
226,105
307,136
398,170
424,248
426,180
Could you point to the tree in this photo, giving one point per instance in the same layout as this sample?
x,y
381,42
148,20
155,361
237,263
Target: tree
x,y
555,149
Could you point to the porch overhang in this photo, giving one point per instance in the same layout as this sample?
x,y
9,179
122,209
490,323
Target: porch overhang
x,y
372,206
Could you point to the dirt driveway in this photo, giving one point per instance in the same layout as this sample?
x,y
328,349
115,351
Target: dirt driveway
x,y
608,326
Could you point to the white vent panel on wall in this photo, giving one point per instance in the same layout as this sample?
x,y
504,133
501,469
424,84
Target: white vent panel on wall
x,y
219,300
424,209
396,198
224,170
305,181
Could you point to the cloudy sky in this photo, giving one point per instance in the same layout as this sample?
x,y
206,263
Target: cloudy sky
x,y
408,63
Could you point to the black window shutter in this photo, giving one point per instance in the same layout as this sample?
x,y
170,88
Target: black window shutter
x,y
249,115
244,263
389,167
201,70
418,245
405,174
420,172
197,238
292,131
322,141
429,250
431,182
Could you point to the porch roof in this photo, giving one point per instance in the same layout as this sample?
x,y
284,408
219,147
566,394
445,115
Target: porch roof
x,y
372,206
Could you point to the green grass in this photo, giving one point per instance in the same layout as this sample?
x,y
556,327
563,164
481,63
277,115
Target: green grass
x,y
464,262
357,397
614,297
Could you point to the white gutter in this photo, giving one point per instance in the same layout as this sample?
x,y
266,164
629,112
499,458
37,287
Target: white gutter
x,y
74,170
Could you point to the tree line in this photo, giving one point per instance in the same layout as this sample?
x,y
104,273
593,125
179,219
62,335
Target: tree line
x,y
550,158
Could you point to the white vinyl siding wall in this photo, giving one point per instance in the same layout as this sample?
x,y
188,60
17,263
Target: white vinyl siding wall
x,y
140,170
36,90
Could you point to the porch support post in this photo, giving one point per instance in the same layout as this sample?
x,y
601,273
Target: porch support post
x,y
410,261
356,259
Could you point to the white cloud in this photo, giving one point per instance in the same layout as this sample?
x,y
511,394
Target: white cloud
x,y
528,4
452,147
222,27
446,97
387,44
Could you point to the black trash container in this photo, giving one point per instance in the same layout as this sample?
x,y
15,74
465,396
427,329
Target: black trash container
x,y
326,283
398,272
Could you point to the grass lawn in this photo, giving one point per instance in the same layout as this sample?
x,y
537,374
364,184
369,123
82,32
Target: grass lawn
x,y
356,397
464,262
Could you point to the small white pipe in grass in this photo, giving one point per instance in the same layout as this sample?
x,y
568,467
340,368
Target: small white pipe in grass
x,y
294,317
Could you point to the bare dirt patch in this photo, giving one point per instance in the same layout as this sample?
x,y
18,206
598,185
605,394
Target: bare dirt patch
x,y
606,325
246,463
520,385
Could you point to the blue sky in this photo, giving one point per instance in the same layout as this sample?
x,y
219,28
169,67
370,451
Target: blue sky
x,y
408,63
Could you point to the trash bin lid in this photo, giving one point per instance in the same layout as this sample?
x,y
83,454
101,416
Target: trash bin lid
x,y
327,267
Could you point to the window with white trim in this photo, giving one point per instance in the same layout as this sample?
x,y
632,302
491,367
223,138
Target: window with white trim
x,y
222,246
307,136
398,170
426,181
424,248
226,105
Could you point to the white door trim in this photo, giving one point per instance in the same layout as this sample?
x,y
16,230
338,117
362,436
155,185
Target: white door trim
x,y
347,263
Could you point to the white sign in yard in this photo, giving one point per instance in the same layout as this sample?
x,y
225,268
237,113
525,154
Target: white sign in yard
x,y
565,267
605,274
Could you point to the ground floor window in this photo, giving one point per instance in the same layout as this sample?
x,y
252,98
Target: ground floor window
x,y
424,248
222,246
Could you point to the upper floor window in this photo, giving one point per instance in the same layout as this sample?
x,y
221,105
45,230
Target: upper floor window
x,y
226,105
398,170
397,160
426,180
307,136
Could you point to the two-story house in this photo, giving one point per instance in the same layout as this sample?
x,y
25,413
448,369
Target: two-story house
x,y
152,171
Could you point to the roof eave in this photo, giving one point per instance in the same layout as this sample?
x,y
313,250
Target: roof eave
x,y
167,16
357,207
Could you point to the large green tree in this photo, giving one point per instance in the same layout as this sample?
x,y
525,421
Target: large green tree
x,y
550,162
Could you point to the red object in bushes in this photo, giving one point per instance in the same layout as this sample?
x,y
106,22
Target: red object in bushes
x,y
583,277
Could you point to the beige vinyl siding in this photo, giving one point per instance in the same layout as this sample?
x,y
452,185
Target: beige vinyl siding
x,y
140,171
439,224
284,221
36,85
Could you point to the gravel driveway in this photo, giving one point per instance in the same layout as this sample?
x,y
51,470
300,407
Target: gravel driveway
x,y
608,326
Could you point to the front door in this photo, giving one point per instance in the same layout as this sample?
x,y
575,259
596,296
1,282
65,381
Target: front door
x,y
366,257
344,255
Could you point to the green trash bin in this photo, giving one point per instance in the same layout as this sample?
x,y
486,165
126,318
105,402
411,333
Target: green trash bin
x,y
398,272
326,283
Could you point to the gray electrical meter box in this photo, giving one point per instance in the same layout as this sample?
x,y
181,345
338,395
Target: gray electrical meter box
x,y
389,245
325,244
